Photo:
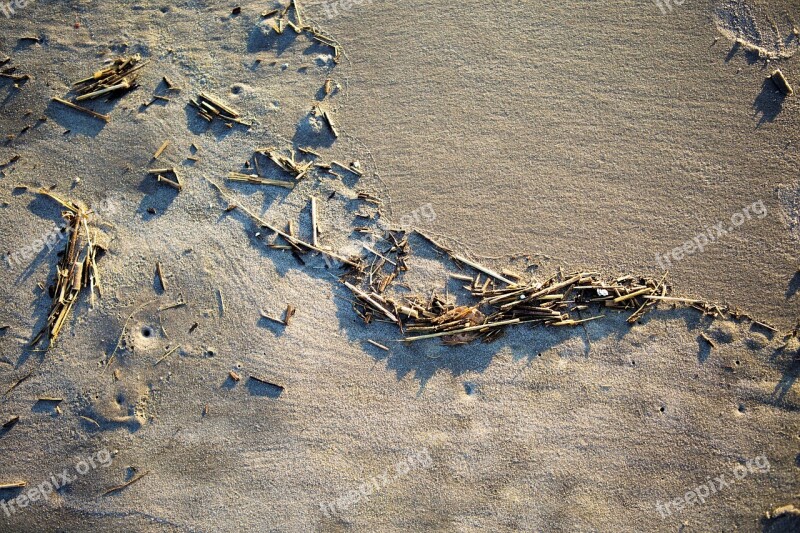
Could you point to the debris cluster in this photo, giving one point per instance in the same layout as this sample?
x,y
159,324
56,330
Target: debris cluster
x,y
114,80
278,20
76,271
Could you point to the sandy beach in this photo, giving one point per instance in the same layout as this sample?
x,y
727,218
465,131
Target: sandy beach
x,y
235,356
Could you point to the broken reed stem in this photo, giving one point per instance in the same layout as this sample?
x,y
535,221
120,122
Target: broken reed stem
x,y
167,354
161,278
377,345
481,268
124,486
77,270
371,300
314,226
104,118
256,180
463,330
161,150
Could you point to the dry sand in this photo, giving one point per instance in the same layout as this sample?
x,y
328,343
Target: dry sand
x,y
584,135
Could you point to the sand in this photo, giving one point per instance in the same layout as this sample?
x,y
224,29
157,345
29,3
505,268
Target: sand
x,y
527,136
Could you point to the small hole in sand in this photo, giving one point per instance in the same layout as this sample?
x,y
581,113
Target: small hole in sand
x,y
147,332
662,408
737,363
741,408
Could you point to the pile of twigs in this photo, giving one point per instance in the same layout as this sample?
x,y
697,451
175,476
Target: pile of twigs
x,y
119,77
210,107
76,270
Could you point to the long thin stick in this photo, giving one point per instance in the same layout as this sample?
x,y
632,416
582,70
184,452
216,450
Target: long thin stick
x,y
125,485
481,268
102,117
372,301
464,330
314,226
167,354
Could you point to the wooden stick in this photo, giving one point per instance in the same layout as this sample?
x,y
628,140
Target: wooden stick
x,y
672,299
571,322
92,420
228,110
161,150
124,85
256,180
381,346
167,354
125,485
161,277
464,330
104,118
480,268
632,295
372,302
290,311
314,225
272,318
174,184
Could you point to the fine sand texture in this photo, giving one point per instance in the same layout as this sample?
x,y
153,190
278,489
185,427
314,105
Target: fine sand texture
x,y
542,138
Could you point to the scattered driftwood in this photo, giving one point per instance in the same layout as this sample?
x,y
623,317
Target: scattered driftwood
x,y
17,383
173,181
161,278
161,149
292,17
76,271
289,164
167,354
116,79
298,245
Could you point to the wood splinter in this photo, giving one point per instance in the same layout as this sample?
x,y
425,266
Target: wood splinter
x,y
161,149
